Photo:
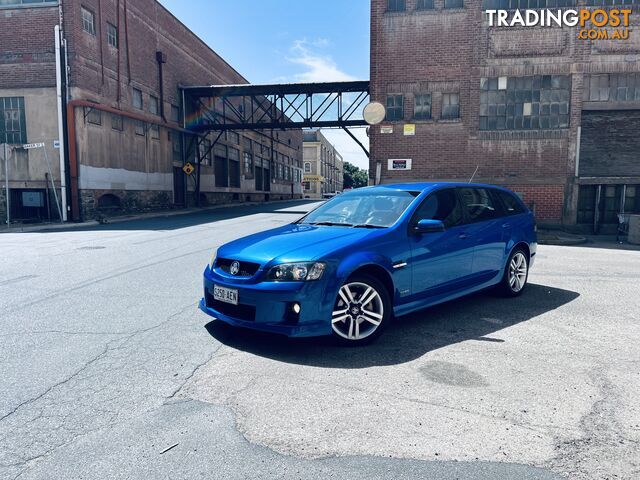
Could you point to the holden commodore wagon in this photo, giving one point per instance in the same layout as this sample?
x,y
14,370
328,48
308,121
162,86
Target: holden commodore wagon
x,y
351,265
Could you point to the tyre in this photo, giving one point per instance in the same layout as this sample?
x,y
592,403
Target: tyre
x,y
361,311
516,273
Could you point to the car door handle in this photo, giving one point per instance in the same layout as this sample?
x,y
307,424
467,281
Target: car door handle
x,y
463,236
506,225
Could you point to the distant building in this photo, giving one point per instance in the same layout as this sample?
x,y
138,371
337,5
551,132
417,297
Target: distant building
x,y
122,112
539,110
323,166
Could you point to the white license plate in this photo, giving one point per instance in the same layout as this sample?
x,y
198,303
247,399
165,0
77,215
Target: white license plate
x,y
227,295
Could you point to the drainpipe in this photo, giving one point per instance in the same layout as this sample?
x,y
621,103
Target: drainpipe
x,y
61,137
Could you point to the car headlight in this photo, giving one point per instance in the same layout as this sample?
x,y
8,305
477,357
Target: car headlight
x,y
296,272
213,258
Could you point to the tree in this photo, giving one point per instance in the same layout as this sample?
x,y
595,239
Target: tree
x,y
354,177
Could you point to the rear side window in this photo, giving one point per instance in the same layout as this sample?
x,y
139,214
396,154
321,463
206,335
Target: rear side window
x,y
478,204
442,205
512,205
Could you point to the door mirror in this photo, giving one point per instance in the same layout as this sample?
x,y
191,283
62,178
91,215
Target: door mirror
x,y
429,226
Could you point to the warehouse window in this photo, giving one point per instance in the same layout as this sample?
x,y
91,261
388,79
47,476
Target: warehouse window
x,y
453,3
12,120
307,167
396,6
140,128
525,103
15,3
395,108
614,87
424,5
248,164
112,35
116,122
137,99
155,131
422,108
154,105
175,113
233,137
524,4
88,22
450,106
94,116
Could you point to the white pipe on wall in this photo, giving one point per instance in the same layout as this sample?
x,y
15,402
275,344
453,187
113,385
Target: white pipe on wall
x,y
61,139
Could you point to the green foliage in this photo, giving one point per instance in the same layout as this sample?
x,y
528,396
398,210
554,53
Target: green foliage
x,y
354,177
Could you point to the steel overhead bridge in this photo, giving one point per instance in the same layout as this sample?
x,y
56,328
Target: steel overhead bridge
x,y
276,106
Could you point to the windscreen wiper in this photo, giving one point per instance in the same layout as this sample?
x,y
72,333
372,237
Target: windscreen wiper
x,y
332,224
368,225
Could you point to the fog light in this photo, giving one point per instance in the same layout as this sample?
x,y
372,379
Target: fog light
x,y
296,308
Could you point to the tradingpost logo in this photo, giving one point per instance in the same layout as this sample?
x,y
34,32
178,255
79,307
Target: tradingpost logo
x,y
595,24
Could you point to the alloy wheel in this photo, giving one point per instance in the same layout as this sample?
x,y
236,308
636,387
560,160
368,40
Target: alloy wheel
x,y
517,272
358,311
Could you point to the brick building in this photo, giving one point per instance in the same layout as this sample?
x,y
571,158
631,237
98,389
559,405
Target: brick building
x,y
323,166
124,140
551,116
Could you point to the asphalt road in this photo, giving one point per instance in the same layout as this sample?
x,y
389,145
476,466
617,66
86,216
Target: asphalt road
x,y
109,370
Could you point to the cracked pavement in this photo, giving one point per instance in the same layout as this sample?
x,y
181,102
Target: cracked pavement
x,y
110,371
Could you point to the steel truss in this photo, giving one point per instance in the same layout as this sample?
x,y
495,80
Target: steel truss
x,y
279,106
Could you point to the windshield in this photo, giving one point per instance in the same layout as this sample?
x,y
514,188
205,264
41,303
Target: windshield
x,y
366,208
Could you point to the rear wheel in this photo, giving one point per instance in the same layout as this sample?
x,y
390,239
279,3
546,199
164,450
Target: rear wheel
x,y
516,273
361,310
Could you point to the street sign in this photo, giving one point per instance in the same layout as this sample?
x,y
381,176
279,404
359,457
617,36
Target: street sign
x,y
56,144
30,146
409,129
386,129
188,168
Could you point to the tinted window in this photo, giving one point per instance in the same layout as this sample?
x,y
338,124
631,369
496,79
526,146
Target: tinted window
x,y
442,205
511,204
478,204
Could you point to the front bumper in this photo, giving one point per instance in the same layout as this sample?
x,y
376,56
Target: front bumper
x,y
265,306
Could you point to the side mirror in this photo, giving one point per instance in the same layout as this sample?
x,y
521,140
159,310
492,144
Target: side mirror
x,y
429,226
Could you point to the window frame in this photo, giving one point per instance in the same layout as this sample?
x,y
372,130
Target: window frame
x,y
153,100
442,106
133,98
420,5
84,10
112,36
398,6
415,106
395,96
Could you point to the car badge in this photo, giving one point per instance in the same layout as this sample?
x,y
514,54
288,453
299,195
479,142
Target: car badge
x,y
235,268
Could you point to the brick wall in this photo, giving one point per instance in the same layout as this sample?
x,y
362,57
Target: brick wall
x,y
27,52
449,51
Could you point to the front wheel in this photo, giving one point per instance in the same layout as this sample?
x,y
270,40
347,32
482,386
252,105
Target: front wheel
x,y
516,273
361,310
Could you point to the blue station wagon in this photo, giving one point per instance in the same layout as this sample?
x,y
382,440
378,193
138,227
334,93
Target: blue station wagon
x,y
352,264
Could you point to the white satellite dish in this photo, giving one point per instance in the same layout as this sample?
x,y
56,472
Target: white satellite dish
x,y
374,113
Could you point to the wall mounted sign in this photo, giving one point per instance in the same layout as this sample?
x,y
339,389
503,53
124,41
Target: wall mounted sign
x,y
409,129
386,128
399,164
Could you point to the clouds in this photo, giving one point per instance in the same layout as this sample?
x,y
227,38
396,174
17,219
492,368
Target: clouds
x,y
318,66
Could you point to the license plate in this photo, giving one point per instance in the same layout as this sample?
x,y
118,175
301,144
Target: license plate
x,y
227,295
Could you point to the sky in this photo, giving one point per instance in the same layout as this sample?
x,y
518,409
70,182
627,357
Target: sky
x,y
273,41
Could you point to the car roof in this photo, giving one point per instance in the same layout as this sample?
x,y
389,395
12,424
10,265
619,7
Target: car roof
x,y
429,186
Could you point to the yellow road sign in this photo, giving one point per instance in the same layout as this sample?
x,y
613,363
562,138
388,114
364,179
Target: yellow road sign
x,y
188,168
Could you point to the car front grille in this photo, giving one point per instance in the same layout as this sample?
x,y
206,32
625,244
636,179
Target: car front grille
x,y
240,311
247,269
